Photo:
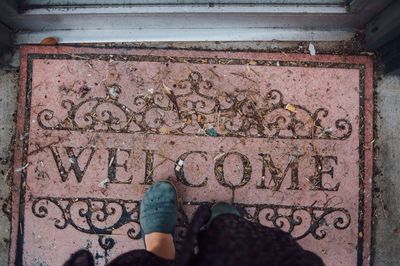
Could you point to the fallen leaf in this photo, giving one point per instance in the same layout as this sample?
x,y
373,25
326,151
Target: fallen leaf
x,y
199,118
290,108
49,41
165,130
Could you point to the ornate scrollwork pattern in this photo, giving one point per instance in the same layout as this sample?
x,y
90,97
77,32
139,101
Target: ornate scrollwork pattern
x,y
101,216
192,106
299,221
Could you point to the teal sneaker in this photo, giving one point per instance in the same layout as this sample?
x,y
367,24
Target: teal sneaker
x,y
220,208
158,209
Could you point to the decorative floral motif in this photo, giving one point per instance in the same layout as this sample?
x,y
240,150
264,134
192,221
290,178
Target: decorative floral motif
x,y
300,221
191,107
97,213
101,216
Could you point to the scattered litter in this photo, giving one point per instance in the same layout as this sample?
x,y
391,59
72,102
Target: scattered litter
x,y
290,108
167,90
214,73
278,64
113,91
21,168
111,162
151,90
199,119
165,130
160,113
311,48
244,76
179,165
103,184
170,94
201,132
326,131
71,159
210,131
219,156
291,158
89,65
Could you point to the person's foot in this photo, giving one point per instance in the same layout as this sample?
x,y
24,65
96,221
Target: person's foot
x,y
158,214
220,208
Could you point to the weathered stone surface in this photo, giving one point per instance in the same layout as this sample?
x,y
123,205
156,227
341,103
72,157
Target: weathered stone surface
x,y
8,106
285,137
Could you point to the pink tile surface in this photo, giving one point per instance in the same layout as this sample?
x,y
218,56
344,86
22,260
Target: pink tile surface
x,y
293,148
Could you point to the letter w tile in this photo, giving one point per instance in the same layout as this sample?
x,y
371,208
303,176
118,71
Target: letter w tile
x,y
69,160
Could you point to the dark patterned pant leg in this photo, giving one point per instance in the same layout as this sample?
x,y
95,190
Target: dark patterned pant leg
x,y
139,258
131,258
231,240
80,258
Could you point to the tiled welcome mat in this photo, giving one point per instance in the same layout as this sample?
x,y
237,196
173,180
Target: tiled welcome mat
x,y
285,137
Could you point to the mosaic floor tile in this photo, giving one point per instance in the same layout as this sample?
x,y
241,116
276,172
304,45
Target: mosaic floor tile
x,y
287,138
